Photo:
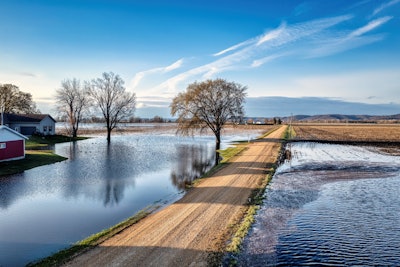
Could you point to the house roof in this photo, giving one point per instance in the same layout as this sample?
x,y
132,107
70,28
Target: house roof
x,y
5,128
25,117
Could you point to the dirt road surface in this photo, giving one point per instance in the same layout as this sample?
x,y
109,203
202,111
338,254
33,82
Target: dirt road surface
x,y
189,231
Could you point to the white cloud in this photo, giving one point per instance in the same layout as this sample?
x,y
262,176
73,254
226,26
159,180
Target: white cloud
x,y
176,65
140,75
384,6
234,47
331,46
343,40
370,26
252,52
271,35
153,101
309,39
259,62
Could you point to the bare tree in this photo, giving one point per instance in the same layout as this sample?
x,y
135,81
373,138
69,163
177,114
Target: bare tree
x,y
209,104
14,101
113,101
72,101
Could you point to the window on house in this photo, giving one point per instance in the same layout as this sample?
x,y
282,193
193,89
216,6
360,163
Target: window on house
x,y
50,128
44,128
3,145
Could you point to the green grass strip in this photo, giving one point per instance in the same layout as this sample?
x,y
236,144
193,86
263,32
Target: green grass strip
x,y
38,141
290,133
33,158
228,153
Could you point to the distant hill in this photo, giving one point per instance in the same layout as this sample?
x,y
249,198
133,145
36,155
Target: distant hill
x,y
279,106
344,118
287,106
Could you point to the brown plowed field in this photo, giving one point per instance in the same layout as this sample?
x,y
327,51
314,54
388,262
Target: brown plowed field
x,y
349,132
192,229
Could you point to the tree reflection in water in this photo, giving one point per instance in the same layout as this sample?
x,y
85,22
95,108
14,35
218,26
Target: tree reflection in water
x,y
104,173
194,161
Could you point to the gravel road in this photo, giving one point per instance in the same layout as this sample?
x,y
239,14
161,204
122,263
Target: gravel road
x,y
190,231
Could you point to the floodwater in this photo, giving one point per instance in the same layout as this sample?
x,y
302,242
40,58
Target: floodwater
x,y
48,208
332,205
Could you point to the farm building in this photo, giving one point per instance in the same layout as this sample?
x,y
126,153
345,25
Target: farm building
x,y
28,124
12,144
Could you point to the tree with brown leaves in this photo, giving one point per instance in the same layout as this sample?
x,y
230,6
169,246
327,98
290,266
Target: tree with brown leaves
x,y
12,100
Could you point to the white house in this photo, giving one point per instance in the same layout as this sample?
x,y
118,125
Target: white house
x,y
28,124
12,144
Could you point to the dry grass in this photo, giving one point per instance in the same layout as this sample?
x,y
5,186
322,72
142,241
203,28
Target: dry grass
x,y
389,133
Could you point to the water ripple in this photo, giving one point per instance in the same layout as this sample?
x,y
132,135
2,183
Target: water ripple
x,y
318,212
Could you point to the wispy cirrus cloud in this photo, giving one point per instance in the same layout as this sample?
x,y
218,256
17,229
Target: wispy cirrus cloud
x,y
261,61
234,47
370,26
384,6
344,40
256,51
140,75
273,35
308,39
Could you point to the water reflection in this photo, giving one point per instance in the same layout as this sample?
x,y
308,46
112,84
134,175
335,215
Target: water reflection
x,y
47,208
193,162
99,171
11,187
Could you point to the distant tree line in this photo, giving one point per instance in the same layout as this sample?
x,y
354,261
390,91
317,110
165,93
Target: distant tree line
x,y
264,121
132,119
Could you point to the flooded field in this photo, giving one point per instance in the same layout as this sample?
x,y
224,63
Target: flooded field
x,y
48,208
331,205
45,209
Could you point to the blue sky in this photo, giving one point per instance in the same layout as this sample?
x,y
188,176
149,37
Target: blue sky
x,y
340,51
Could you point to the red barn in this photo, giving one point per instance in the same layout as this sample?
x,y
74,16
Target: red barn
x,y
12,144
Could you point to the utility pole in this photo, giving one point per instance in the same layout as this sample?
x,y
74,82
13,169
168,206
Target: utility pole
x,y
2,110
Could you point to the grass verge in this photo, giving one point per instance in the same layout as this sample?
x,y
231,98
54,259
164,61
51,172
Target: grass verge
x,y
39,141
33,158
80,247
289,133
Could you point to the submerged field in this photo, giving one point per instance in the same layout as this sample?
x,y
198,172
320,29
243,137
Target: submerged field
x,y
335,202
331,205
